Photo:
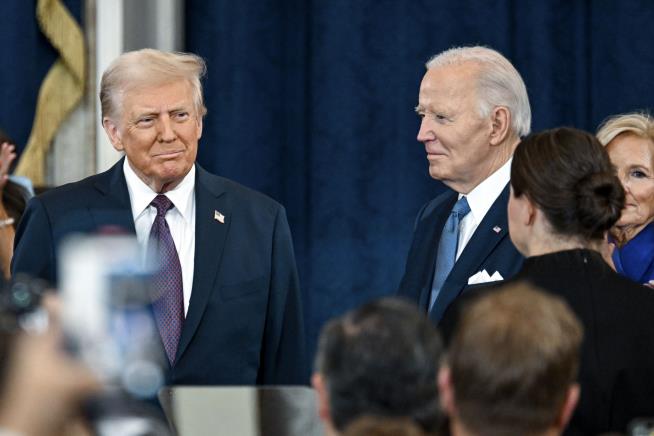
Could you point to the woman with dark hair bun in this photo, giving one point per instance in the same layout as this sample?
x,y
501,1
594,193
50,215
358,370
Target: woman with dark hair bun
x,y
566,174
565,196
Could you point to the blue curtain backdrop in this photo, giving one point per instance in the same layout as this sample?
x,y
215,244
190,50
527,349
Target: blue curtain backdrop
x,y
25,58
311,102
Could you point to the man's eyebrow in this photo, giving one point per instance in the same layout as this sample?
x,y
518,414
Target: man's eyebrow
x,y
146,112
419,108
179,108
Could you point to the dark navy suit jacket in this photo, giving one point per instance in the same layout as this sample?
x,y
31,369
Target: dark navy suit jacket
x,y
490,248
244,324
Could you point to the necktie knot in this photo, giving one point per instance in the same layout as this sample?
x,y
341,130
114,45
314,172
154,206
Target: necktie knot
x,y
461,207
162,204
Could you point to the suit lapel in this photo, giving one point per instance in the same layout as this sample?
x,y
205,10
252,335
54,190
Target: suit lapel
x,y
492,229
210,234
113,209
433,229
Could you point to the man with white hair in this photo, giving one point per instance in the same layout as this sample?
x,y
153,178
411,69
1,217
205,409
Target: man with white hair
x,y
474,110
228,307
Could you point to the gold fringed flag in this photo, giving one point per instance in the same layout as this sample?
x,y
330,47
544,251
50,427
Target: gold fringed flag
x,y
61,90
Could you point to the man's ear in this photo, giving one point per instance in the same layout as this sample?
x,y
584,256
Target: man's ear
x,y
571,400
199,122
318,384
446,390
112,132
500,125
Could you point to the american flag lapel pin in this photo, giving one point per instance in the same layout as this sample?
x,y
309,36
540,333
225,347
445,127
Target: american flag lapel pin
x,y
219,217
497,229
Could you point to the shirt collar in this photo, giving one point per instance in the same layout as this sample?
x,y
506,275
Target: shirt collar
x,y
482,197
141,195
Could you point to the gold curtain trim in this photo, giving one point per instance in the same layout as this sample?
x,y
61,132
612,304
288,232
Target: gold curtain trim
x,y
61,89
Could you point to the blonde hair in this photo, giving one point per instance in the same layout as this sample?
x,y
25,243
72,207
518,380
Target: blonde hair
x,y
637,123
150,67
498,83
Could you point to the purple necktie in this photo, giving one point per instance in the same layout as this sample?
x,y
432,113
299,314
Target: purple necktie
x,y
169,304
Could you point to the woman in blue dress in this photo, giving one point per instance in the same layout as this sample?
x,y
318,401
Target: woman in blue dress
x,y
629,140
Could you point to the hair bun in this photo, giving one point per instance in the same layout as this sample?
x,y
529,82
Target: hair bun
x,y
599,202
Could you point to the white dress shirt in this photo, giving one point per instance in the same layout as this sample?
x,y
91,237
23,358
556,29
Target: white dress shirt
x,y
480,200
181,219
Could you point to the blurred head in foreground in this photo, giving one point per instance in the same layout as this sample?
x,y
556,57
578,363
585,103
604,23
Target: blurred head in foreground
x,y
379,360
512,365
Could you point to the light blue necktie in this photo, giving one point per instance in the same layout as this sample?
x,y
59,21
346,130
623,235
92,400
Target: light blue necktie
x,y
447,248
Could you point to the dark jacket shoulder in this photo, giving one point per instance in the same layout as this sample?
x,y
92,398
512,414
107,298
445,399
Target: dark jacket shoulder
x,y
243,196
435,205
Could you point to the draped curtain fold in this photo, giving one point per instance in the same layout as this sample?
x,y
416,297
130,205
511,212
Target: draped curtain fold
x,y
43,75
61,90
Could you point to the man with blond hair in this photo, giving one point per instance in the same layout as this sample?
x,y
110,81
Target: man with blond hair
x,y
474,110
228,309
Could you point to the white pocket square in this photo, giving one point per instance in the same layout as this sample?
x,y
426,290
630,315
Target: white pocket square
x,y
483,277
